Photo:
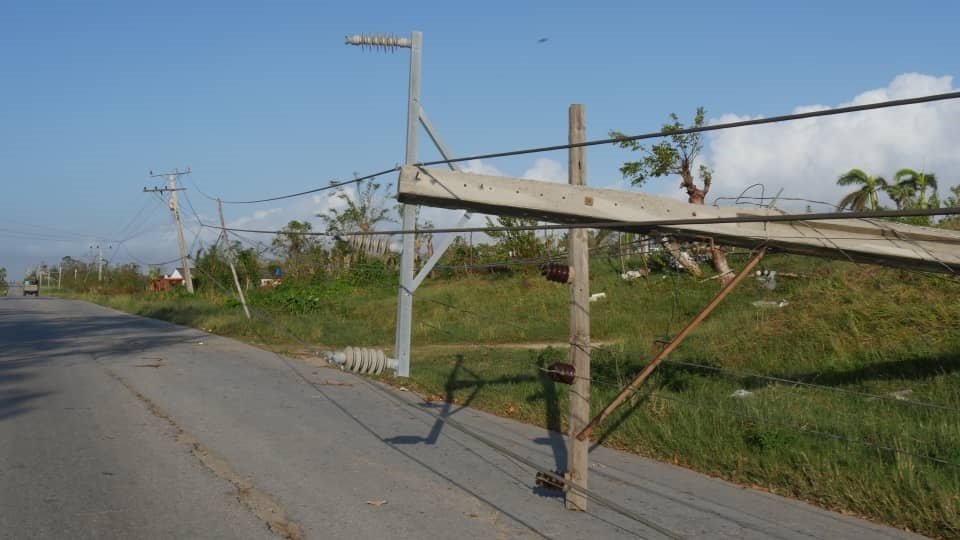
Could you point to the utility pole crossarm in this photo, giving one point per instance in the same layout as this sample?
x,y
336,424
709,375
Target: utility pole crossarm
x,y
861,240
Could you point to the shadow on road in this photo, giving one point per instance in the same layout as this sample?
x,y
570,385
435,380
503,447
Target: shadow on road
x,y
36,333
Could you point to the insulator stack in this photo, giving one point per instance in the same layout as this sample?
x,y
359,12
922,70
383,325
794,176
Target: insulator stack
x,y
385,42
559,273
552,482
362,360
561,372
373,245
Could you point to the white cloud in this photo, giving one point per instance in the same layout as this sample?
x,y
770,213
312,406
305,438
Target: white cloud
x,y
805,157
480,167
547,169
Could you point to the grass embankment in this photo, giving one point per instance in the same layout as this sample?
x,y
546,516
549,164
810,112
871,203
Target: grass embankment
x,y
856,328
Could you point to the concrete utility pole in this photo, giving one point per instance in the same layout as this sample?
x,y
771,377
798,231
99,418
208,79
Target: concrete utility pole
x,y
99,263
175,208
578,460
409,211
229,251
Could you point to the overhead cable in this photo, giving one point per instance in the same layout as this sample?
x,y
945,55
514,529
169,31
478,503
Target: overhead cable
x,y
701,129
615,140
333,185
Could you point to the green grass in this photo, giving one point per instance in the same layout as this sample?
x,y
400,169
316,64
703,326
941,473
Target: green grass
x,y
860,328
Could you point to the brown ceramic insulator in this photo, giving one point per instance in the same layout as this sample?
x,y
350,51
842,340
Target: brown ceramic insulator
x,y
559,273
561,372
549,482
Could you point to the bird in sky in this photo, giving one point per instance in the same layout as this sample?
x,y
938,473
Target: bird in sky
x,y
542,40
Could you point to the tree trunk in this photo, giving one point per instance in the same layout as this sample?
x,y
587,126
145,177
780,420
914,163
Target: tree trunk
x,y
683,258
696,195
721,266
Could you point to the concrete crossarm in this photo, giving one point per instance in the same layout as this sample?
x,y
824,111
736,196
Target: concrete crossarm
x,y
862,240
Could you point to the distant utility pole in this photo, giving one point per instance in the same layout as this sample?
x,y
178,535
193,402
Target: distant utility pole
x,y
175,208
99,262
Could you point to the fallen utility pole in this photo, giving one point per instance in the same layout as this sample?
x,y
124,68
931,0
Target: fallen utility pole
x,y
854,237
662,355
230,257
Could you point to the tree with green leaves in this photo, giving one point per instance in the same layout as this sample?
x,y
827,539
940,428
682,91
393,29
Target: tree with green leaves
x,y
918,182
297,247
674,155
516,242
902,195
360,212
3,277
868,187
350,211
953,201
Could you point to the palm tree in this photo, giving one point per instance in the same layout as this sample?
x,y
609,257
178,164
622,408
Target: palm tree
x,y
362,211
919,182
901,194
857,200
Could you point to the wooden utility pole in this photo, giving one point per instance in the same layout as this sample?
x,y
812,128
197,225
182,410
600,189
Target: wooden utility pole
x,y
229,252
175,208
578,460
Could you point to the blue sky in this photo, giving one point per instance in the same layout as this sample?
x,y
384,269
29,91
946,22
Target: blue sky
x,y
263,98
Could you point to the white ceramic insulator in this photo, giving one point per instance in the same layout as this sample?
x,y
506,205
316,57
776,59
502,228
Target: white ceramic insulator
x,y
362,360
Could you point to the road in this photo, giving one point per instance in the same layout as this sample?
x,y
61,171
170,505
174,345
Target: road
x,y
115,426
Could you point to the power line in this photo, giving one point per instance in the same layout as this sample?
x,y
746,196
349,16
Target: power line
x,y
803,430
135,217
145,263
190,204
145,225
747,374
332,185
650,135
453,423
197,187
701,129
65,234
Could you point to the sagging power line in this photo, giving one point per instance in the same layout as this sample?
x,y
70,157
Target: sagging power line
x,y
643,136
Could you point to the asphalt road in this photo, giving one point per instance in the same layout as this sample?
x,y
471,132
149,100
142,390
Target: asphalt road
x,y
113,426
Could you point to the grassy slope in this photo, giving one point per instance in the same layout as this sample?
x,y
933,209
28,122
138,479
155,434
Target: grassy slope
x,y
859,328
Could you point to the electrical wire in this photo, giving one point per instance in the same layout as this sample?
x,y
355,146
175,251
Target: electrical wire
x,y
614,506
746,200
332,185
144,263
702,129
197,187
632,138
190,205
145,227
868,395
458,426
803,430
136,216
